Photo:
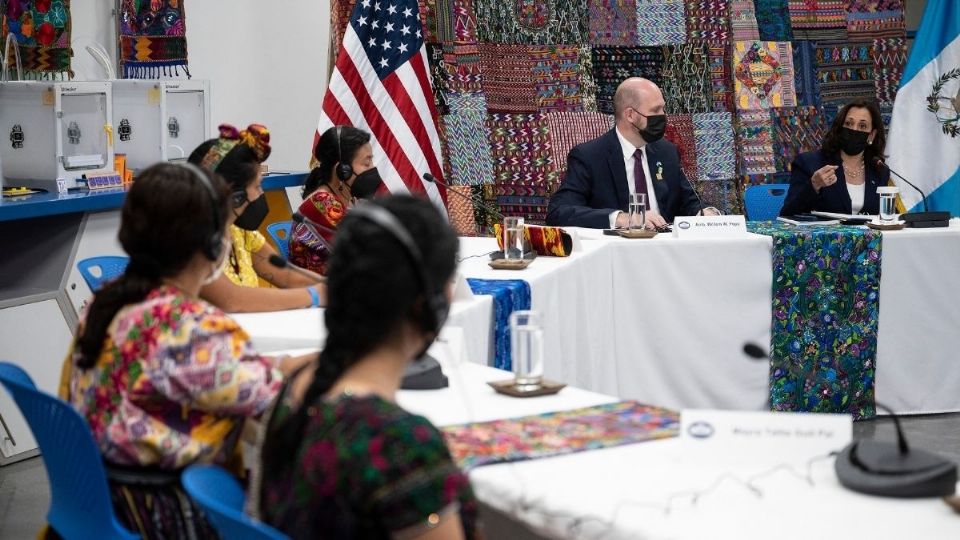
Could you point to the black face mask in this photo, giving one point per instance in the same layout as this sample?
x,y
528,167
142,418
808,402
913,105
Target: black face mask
x,y
366,184
253,216
852,142
656,127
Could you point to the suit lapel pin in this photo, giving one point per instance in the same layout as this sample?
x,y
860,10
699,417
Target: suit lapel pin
x,y
659,171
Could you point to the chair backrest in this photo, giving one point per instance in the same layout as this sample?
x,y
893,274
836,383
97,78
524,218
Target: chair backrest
x,y
220,496
80,506
98,270
763,202
280,232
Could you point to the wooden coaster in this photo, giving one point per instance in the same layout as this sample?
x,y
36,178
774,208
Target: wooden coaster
x,y
636,233
880,227
510,388
512,264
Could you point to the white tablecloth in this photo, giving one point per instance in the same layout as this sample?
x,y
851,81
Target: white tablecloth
x,y
663,321
622,492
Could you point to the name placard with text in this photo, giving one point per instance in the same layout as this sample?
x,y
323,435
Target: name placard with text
x,y
710,227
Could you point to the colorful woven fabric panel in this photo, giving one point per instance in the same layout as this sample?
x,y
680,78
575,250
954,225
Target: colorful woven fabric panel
x,y
680,133
826,298
340,11
153,39
686,78
440,76
773,20
556,77
874,19
509,295
822,19
568,129
613,22
534,22
871,26
507,71
755,136
766,178
42,31
723,194
588,86
763,75
845,71
660,22
708,20
611,65
460,209
716,156
558,433
439,20
805,73
523,168
465,22
889,59
720,74
464,68
796,130
743,21
468,140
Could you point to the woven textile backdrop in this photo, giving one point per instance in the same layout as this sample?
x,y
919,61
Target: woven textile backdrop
x,y
748,84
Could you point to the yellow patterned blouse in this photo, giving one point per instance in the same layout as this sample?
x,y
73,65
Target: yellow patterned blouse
x,y
239,267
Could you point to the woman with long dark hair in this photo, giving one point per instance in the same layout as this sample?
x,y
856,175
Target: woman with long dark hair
x,y
341,459
237,157
343,175
842,176
163,378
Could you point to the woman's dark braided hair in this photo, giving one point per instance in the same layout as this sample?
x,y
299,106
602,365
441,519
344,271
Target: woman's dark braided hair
x,y
167,218
328,154
372,289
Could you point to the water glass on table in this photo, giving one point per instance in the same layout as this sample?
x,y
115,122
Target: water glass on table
x,y
526,345
888,203
637,211
512,238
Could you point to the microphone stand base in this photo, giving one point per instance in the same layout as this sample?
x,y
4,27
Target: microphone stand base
x,y
926,220
424,373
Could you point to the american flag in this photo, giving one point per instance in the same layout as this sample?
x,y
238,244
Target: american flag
x,y
381,84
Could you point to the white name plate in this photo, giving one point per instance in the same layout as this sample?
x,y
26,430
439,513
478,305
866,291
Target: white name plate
x,y
710,227
733,436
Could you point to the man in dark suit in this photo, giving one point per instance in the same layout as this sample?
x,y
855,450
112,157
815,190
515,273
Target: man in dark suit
x,y
630,158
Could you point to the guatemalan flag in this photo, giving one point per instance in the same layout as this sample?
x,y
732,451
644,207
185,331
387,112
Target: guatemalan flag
x,y
381,83
924,140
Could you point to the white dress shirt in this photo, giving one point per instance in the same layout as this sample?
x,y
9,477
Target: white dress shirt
x,y
628,163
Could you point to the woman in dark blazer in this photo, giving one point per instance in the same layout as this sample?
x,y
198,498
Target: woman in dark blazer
x,y
843,175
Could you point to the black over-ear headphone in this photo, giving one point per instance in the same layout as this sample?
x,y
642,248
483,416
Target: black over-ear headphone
x,y
437,306
214,245
344,170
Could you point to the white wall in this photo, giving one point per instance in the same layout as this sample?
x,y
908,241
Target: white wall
x,y
264,65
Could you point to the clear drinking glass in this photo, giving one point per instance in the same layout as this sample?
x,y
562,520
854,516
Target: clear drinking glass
x,y
512,238
888,203
638,210
526,342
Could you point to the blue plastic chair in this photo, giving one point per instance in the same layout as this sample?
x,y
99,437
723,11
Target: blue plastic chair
x,y
220,496
98,270
280,232
80,506
764,201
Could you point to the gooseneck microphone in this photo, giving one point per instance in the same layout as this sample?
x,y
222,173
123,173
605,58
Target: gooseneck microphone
x,y
884,468
474,200
925,219
280,262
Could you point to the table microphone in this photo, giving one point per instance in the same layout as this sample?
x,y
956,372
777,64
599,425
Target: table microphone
x,y
920,220
280,262
884,468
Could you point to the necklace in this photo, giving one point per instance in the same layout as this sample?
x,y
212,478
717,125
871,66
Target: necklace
x,y
853,173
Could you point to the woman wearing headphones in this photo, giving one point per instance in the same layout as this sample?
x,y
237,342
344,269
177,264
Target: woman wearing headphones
x,y
236,156
344,174
163,378
341,459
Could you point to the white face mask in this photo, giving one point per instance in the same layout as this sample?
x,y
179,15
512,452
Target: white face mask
x,y
219,265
